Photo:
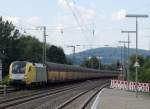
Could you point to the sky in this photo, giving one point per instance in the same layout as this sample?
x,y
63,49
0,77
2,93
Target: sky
x,y
88,23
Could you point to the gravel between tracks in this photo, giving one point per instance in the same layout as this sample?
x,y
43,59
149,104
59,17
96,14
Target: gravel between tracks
x,y
52,101
27,93
82,101
32,97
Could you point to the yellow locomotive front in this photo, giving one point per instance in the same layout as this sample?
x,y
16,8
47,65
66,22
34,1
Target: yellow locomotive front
x,y
26,73
17,72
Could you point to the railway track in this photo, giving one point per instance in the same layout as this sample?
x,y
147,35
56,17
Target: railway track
x,y
82,100
51,98
32,96
30,93
8,89
21,93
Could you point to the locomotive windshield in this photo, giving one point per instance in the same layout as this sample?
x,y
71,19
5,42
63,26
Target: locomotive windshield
x,y
18,67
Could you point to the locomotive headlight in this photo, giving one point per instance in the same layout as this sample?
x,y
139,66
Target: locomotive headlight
x,y
25,78
10,76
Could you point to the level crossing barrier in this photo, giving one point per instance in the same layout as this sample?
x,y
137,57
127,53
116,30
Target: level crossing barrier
x,y
125,85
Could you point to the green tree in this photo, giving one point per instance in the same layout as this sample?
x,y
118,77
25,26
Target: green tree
x,y
93,62
145,71
56,54
141,61
16,46
8,43
69,61
30,49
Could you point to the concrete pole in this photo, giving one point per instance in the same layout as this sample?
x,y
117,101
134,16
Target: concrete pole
x,y
74,51
128,61
136,70
122,62
136,66
44,44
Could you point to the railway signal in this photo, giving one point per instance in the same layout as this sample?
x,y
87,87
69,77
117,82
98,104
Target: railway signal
x,y
136,64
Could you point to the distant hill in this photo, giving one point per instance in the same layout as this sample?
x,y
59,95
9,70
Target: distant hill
x,y
108,54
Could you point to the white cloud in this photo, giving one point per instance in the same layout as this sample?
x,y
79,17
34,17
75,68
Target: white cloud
x,y
66,4
120,15
84,14
34,20
62,3
13,19
101,16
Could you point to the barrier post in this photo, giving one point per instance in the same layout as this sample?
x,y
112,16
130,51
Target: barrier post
x,y
5,90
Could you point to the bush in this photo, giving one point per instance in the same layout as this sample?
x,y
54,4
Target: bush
x,y
5,81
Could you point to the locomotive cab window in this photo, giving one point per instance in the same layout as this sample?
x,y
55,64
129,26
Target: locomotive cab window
x,y
18,67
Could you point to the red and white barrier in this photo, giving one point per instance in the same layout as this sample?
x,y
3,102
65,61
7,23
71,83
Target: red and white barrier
x,y
125,85
143,87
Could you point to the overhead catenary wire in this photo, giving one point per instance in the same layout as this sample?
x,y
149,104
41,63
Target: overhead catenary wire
x,y
54,28
78,12
77,20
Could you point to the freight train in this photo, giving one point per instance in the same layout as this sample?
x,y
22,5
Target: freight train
x,y
27,73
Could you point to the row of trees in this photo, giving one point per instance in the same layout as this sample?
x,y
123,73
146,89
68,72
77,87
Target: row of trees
x,y
95,63
92,62
143,70
16,46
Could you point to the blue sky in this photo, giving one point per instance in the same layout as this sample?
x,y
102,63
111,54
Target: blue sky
x,y
73,23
